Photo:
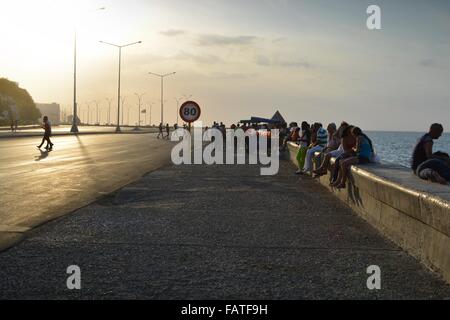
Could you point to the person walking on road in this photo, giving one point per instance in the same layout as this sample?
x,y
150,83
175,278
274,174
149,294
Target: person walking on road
x,y
47,133
160,134
167,131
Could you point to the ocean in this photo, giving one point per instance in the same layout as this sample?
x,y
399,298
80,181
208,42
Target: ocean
x,y
397,147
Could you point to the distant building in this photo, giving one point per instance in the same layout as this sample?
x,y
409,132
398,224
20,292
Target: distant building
x,y
51,110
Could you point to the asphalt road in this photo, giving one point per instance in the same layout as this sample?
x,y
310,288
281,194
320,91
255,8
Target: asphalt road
x,y
64,130
38,186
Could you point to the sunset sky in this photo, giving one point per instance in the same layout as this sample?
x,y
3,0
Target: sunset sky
x,y
313,60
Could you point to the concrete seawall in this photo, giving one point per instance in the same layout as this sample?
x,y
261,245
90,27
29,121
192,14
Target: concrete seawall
x,y
413,213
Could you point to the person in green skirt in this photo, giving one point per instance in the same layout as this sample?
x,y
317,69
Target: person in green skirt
x,y
305,141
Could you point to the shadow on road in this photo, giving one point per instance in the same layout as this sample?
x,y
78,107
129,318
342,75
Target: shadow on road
x,y
44,154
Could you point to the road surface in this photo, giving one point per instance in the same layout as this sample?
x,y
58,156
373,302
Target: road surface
x,y
39,186
64,129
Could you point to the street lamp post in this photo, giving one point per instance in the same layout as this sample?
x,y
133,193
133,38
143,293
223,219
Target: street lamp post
x,y
128,116
118,90
162,76
123,108
74,128
109,110
140,100
96,106
88,113
150,114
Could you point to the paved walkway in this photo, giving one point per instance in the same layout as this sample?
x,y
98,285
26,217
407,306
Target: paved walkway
x,y
219,232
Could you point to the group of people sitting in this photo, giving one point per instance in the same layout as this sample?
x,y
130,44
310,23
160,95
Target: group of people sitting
x,y
348,144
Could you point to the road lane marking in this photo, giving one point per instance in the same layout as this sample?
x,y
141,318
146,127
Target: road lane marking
x,y
7,228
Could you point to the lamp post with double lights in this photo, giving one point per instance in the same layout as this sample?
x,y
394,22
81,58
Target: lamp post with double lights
x,y
88,112
96,110
118,90
162,76
150,106
109,110
123,108
128,115
140,101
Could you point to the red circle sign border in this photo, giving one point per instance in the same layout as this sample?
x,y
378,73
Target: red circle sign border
x,y
194,103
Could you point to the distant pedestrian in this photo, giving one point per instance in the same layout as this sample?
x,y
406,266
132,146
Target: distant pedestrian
x,y
160,134
12,125
47,134
16,125
167,131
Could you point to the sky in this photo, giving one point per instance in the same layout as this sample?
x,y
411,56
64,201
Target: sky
x,y
312,60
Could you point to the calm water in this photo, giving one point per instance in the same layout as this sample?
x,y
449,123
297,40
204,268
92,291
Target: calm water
x,y
397,147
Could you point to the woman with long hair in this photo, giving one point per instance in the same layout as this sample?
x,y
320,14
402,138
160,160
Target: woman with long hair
x,y
305,141
363,154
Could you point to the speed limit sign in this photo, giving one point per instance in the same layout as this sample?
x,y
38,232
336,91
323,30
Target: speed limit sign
x,y
190,111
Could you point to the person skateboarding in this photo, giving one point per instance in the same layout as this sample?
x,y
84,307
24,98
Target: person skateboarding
x,y
47,133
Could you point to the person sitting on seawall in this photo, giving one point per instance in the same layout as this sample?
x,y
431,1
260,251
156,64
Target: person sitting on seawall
x,y
317,146
424,147
333,144
295,135
348,142
332,153
435,169
286,133
304,142
364,154
283,136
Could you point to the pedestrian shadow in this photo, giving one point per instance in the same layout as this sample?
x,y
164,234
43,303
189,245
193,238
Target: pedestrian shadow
x,y
84,151
44,154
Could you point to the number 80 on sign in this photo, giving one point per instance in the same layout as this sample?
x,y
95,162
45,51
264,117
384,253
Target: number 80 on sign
x,y
190,111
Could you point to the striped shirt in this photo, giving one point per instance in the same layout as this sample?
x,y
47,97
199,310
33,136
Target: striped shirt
x,y
322,137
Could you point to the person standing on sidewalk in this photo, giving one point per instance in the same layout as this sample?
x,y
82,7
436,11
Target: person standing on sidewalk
x,y
160,134
47,133
167,131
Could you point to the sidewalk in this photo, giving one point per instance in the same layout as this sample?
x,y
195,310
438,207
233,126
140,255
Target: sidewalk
x,y
217,232
65,130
